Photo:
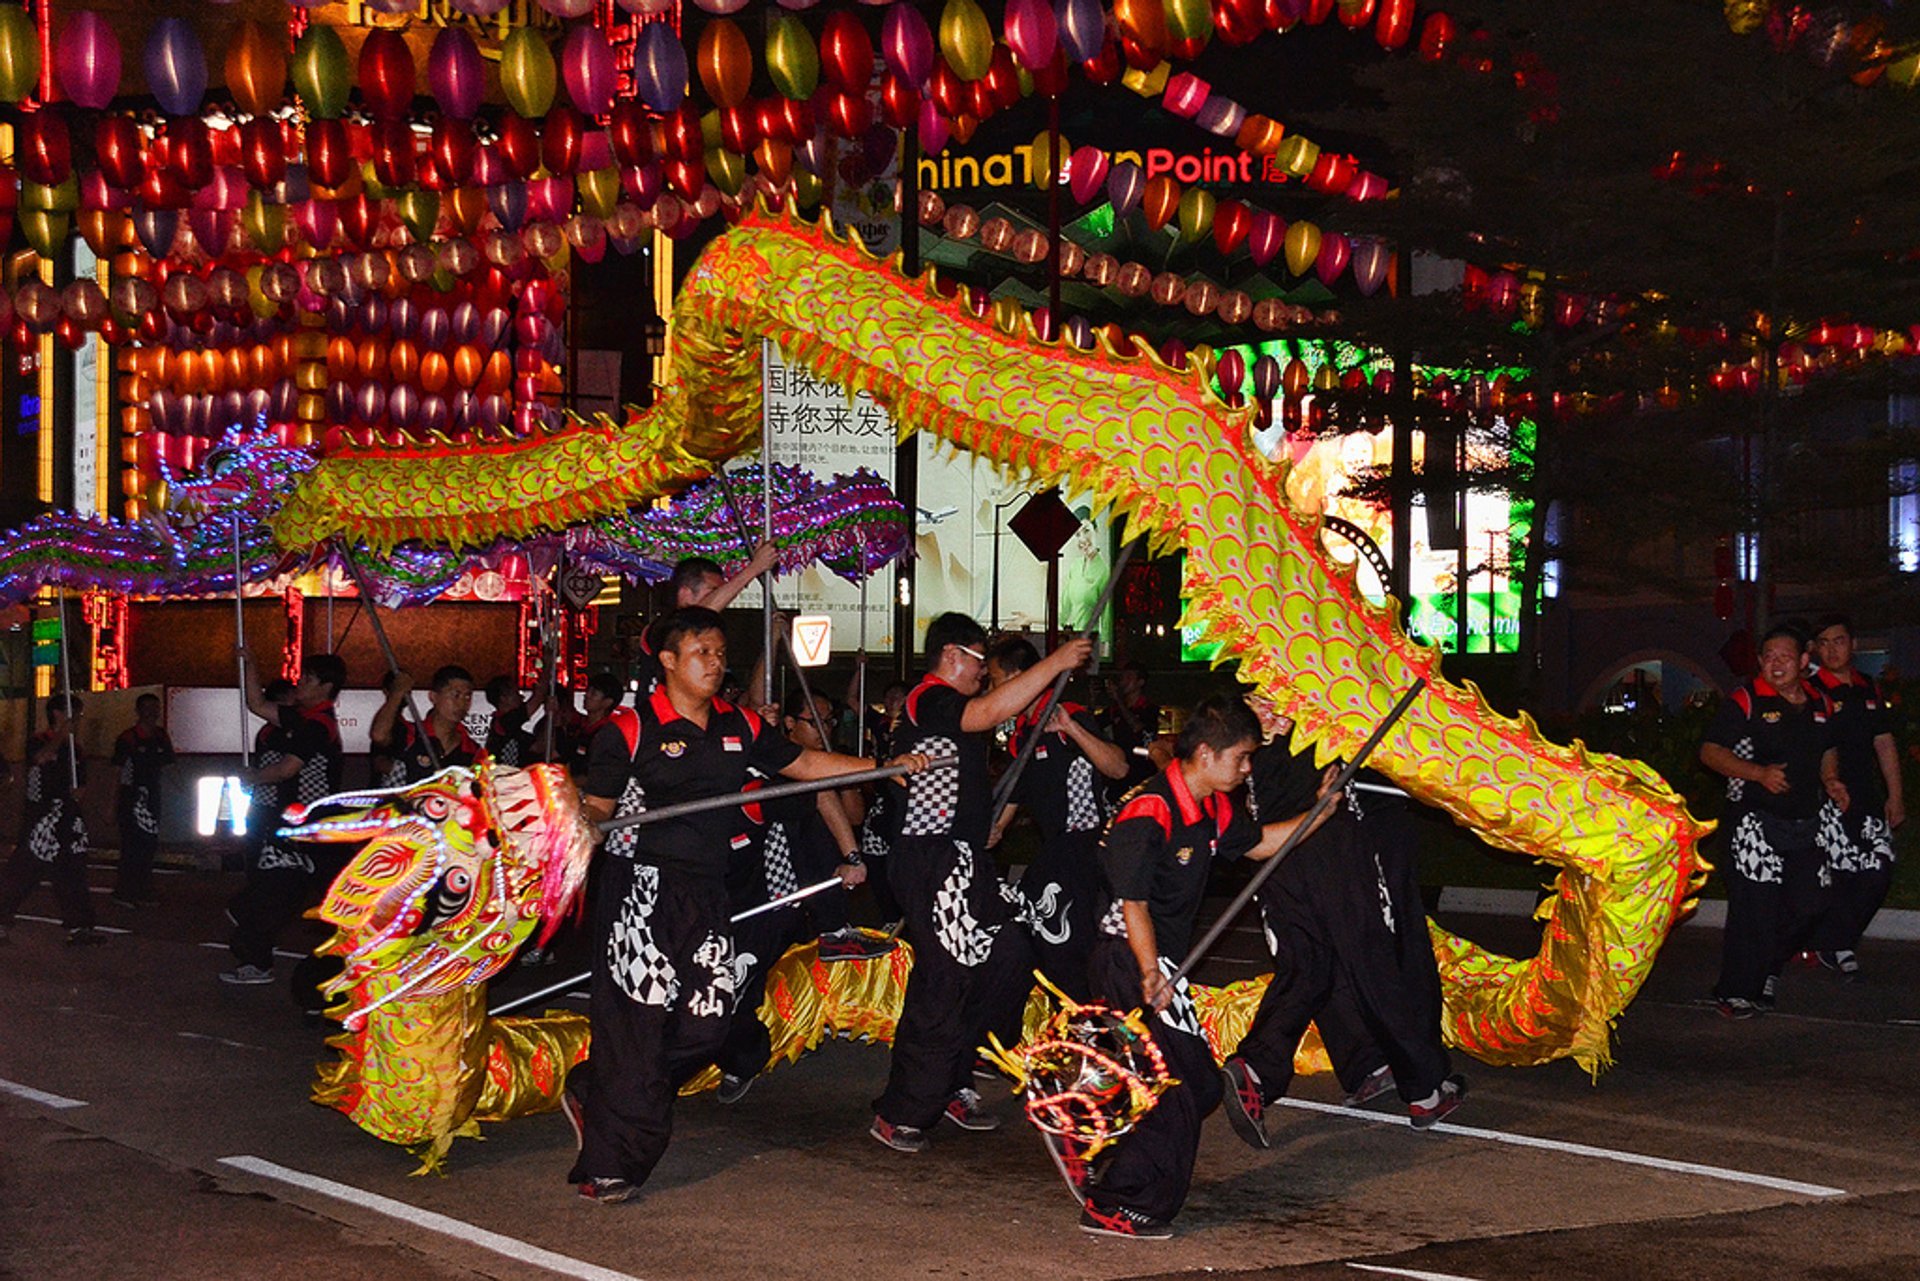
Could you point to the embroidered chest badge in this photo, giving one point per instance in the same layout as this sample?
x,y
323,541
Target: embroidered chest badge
x,y
1771,718
674,749
1184,856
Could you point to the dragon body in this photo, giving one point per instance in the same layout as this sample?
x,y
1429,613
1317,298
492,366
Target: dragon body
x,y
1153,444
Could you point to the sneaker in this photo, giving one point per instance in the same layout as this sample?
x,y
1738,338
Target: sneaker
x,y
576,1114
85,936
1843,963
1122,1222
850,944
1072,1166
1737,1007
1769,992
1451,1094
534,957
247,976
964,1110
1379,1082
608,1191
1246,1110
901,1138
733,1088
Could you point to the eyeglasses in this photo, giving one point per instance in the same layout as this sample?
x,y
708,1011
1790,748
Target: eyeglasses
x,y
974,654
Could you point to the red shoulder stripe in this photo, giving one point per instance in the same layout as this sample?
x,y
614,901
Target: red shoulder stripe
x,y
1148,805
627,721
1744,701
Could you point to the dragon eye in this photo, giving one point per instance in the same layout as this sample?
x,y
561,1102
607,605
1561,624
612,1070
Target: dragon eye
x,y
434,807
458,881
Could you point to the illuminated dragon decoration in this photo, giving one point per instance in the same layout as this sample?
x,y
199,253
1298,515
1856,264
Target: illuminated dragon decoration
x,y
1152,443
851,524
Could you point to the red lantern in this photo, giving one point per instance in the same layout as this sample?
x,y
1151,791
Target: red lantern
x,y
631,138
682,135
899,101
1105,68
1394,23
329,157
848,115
386,74
519,144
263,154
45,148
357,219
797,118
453,151
1437,31
117,144
560,139
846,53
948,91
1232,221
190,148
739,129
1003,77
393,153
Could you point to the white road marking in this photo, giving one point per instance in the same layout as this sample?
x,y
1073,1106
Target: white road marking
x,y
41,1097
1792,1186
219,1040
54,920
1413,1273
509,1247
278,951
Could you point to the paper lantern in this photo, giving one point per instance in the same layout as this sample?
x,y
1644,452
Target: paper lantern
x,y
1032,31
1334,252
1189,21
1143,25
1081,28
1086,172
1266,237
907,44
966,38
793,63
1196,212
86,60
560,137
456,73
586,68
1160,200
660,67
1302,247
19,54
1370,260
846,53
527,73
386,74
176,66
45,147
725,63
320,74
1126,185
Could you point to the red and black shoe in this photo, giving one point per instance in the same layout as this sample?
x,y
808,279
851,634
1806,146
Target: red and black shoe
x,y
1451,1094
1122,1222
1378,1082
1246,1110
1072,1166
608,1191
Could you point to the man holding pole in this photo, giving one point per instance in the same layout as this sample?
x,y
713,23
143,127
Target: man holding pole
x,y
663,981
967,964
1156,856
53,845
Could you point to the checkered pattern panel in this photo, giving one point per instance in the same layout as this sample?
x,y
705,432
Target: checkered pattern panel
x,y
126,772
633,799
144,819
1114,923
778,854
313,781
959,932
36,784
1737,787
43,841
1083,800
1753,855
637,964
1848,854
1180,1014
933,796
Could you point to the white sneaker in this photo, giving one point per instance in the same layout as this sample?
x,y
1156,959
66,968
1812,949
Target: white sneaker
x,y
247,976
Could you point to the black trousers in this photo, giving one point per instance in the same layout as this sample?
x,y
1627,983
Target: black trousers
x,y
1152,1166
284,882
814,860
138,846
1860,861
1351,949
1063,886
758,942
53,847
1774,899
662,996
971,963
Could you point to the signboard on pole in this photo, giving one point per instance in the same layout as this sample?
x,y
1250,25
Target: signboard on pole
x,y
812,639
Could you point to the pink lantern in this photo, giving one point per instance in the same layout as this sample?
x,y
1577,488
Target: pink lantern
x,y
1086,171
1265,239
1186,94
1370,260
586,67
87,59
906,43
1335,250
1032,32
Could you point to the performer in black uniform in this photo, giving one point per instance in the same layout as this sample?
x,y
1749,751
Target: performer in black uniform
x,y
1156,858
967,966
53,841
663,980
1773,740
1857,841
1348,932
449,699
1062,787
287,878
141,752
509,741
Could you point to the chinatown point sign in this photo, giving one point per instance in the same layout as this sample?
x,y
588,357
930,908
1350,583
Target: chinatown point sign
x,y
1015,168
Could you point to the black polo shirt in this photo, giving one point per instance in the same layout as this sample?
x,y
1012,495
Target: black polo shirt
x,y
508,740
52,781
1860,715
1160,848
1060,786
1756,724
1283,782
676,760
313,735
955,802
408,748
141,755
